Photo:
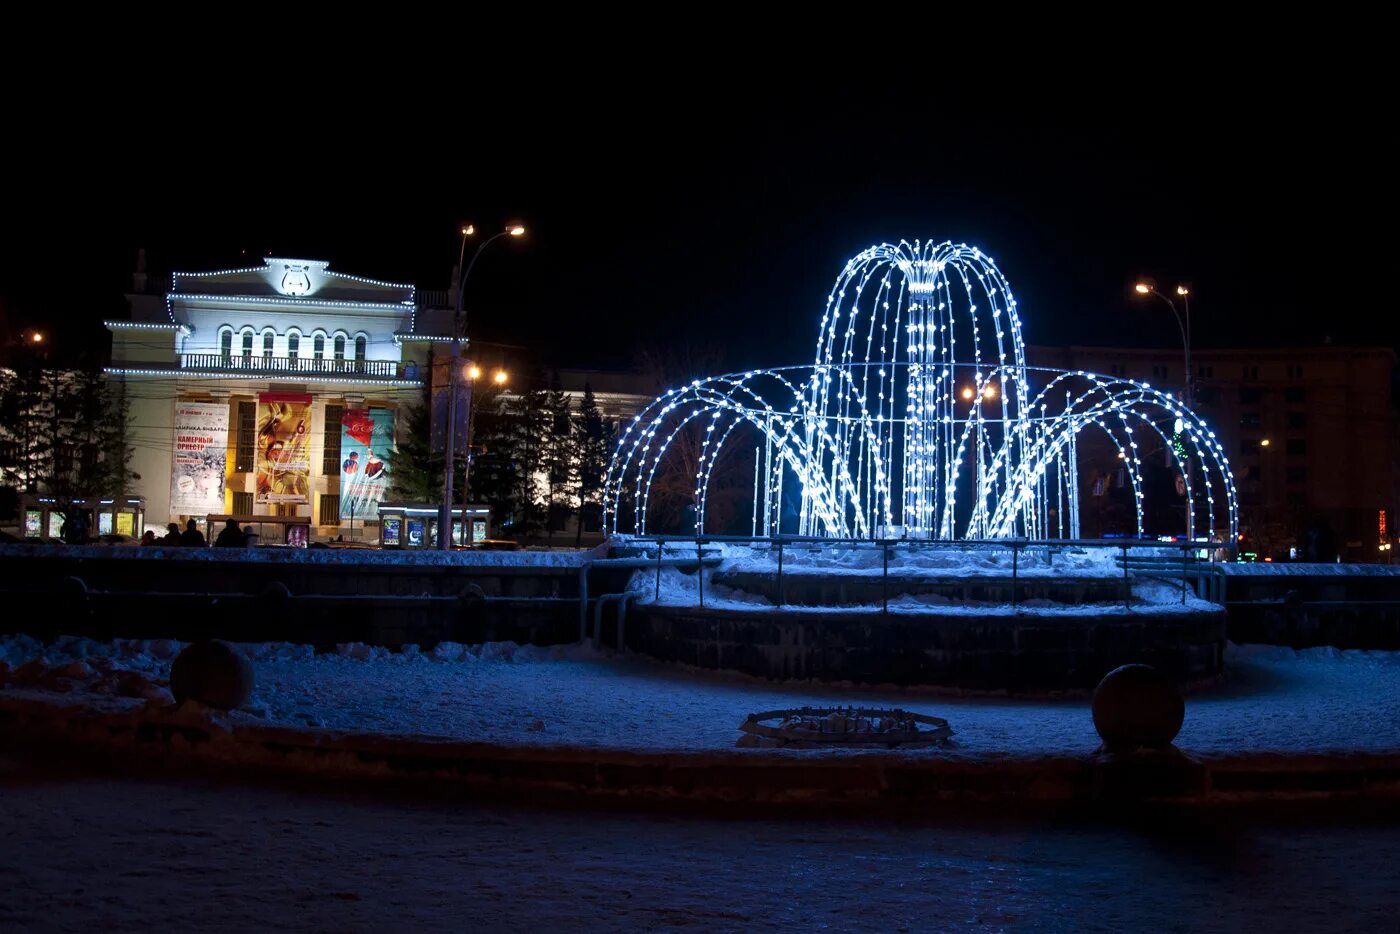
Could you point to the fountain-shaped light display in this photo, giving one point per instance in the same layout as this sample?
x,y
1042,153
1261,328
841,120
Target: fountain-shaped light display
x,y
920,419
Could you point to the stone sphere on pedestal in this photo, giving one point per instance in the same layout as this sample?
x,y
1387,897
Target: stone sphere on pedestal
x,y
1136,707
214,673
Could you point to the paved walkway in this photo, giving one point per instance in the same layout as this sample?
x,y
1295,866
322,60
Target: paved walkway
x,y
90,853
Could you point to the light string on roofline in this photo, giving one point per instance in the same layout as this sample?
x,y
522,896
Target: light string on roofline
x,y
920,418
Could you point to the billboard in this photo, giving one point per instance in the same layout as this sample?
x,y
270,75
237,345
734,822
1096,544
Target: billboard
x,y
284,448
201,458
366,445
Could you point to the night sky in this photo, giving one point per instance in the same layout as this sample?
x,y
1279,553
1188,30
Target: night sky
x,y
715,220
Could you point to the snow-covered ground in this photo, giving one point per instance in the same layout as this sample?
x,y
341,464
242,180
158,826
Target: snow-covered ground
x,y
1272,698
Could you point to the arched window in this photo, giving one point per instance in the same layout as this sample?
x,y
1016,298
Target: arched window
x,y
318,347
247,343
293,344
226,342
361,342
268,337
339,346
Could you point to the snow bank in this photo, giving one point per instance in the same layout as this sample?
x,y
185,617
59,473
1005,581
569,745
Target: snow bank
x,y
682,589
1272,698
942,560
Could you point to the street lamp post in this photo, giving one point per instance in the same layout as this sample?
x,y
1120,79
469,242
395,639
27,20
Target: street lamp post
x,y
1145,288
499,378
454,374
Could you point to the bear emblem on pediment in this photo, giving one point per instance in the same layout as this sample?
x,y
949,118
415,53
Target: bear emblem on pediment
x,y
295,280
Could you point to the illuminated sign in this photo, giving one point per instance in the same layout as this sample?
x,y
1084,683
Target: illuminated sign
x,y
392,530
295,281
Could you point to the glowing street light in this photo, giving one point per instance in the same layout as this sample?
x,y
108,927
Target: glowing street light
x,y
1147,288
458,328
1263,442
990,392
37,337
474,372
968,392
499,377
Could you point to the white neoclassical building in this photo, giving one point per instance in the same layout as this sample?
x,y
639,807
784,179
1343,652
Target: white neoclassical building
x,y
272,390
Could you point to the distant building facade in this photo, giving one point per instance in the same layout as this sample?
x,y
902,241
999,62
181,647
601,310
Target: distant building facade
x,y
1312,435
270,390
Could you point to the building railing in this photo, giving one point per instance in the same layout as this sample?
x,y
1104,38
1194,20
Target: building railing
x,y
435,298
261,364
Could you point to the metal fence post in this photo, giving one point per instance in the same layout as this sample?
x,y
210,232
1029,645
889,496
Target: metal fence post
x,y
780,572
1183,576
1015,573
659,546
700,571
1127,588
885,581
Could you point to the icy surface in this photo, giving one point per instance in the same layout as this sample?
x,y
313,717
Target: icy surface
x,y
1272,698
908,560
1302,569
679,588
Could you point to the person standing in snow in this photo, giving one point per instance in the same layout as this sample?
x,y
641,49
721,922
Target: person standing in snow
x,y
172,535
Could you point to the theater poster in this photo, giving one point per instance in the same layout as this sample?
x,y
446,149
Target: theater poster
x,y
366,445
201,457
284,448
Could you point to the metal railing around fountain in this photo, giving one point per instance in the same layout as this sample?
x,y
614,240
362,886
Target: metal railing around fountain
x,y
1195,565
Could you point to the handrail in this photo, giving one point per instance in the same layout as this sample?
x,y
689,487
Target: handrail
x,y
1186,566
264,364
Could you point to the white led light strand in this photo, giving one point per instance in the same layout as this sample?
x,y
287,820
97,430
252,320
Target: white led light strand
x,y
920,418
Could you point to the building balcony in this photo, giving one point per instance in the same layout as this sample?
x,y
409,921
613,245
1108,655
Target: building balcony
x,y
275,366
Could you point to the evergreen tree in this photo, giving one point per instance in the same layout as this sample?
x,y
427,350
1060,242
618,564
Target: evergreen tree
x,y
65,435
559,457
595,443
528,425
494,463
417,472
26,423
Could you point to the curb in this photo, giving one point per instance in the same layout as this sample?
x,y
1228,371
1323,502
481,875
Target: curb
x,y
923,782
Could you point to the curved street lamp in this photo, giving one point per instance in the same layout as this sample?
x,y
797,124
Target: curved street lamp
x,y
1147,288
454,374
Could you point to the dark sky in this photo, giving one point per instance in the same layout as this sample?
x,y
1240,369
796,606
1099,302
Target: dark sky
x,y
716,218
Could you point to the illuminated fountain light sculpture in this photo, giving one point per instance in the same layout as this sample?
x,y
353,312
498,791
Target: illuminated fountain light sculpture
x,y
920,419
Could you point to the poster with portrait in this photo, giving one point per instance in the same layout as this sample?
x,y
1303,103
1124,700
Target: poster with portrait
x,y
366,443
201,458
284,448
